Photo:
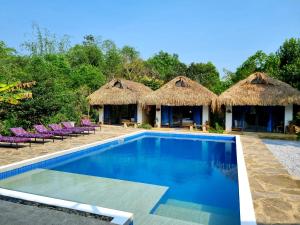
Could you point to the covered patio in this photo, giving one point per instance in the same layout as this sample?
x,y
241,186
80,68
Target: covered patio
x,y
117,114
181,102
258,118
258,103
118,102
181,116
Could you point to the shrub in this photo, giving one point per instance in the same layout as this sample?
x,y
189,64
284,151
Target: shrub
x,y
6,124
58,118
145,126
217,129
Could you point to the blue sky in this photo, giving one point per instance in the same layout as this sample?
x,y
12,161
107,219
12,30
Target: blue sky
x,y
225,32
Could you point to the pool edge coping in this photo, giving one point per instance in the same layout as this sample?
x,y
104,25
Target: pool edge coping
x,y
119,217
247,213
26,162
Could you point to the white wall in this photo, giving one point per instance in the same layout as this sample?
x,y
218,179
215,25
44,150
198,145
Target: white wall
x,y
228,118
205,114
101,114
140,114
145,116
288,115
158,116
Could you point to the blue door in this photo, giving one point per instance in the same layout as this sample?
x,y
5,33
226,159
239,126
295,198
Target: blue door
x,y
197,115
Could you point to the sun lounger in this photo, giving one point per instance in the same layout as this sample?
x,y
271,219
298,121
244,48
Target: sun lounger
x,y
41,129
15,140
58,127
68,125
88,123
20,132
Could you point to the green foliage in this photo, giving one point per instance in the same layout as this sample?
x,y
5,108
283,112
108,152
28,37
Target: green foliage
x,y
217,129
153,83
166,65
145,126
227,79
129,54
255,63
272,65
14,92
8,123
113,59
87,53
5,51
289,62
88,75
42,42
206,74
283,65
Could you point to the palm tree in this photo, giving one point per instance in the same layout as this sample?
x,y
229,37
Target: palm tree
x,y
14,92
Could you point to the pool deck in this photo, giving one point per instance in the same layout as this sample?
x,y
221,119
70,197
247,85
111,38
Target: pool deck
x,y
276,194
10,155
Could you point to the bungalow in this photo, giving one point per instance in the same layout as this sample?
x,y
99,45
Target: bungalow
x,y
118,102
258,103
180,102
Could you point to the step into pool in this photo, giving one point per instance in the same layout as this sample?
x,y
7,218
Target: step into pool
x,y
162,178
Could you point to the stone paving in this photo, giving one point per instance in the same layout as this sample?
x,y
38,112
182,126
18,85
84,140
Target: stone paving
x,y
10,155
275,193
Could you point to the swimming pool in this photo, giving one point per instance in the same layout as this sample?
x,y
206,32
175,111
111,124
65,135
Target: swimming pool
x,y
160,177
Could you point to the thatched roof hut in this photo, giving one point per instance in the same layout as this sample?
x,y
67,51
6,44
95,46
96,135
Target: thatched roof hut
x,y
181,91
119,92
258,89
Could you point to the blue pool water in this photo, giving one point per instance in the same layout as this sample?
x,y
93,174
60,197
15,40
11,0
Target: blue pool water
x,y
196,171
201,175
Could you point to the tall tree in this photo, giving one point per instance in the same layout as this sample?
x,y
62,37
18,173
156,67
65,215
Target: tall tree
x,y
89,52
5,51
289,62
206,74
255,63
166,65
113,59
129,54
42,42
87,75
132,65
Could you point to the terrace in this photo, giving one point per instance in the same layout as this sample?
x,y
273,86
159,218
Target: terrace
x,y
275,192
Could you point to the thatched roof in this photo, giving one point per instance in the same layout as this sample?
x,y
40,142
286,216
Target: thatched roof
x,y
119,92
259,89
181,91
